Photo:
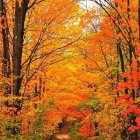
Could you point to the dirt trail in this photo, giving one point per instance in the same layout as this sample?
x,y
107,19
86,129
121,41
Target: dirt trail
x,y
63,133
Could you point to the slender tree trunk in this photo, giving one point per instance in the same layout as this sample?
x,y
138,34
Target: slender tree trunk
x,y
121,61
6,70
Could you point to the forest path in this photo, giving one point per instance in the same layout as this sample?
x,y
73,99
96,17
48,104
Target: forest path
x,y
63,133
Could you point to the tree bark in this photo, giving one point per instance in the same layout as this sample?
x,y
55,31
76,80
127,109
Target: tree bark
x,y
20,14
18,40
121,61
6,70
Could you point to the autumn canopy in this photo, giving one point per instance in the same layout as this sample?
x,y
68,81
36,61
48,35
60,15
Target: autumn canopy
x,y
69,69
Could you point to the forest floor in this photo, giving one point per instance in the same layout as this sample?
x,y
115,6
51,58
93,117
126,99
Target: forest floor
x,y
63,134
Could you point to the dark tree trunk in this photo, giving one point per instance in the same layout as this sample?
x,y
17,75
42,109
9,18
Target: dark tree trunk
x,y
121,61
18,40
6,70
20,13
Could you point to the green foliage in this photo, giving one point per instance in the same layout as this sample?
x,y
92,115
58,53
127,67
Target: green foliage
x,y
74,134
91,104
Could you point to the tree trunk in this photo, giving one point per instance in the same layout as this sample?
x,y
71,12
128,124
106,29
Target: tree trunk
x,y
18,40
6,70
20,13
121,61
